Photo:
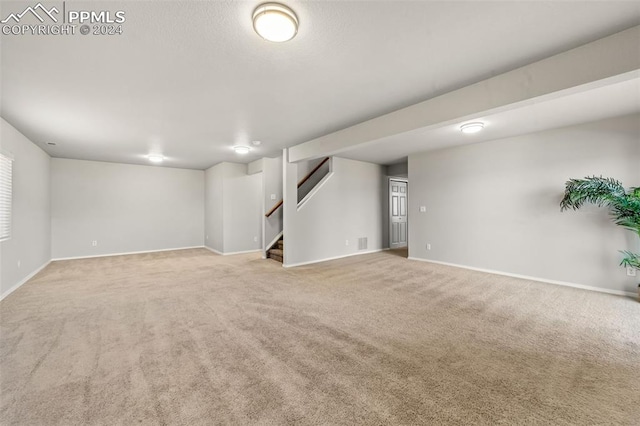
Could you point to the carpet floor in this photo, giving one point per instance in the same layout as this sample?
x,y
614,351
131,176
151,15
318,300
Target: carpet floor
x,y
192,338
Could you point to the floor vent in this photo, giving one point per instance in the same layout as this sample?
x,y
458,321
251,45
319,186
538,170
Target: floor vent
x,y
362,243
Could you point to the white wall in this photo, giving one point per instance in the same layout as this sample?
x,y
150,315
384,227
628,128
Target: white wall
x,y
213,215
30,243
242,210
234,208
346,207
398,170
125,208
272,185
494,205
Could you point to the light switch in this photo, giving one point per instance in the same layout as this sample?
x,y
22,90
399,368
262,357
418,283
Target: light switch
x,y
423,209
273,196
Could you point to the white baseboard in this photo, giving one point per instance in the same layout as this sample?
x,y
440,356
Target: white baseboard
x,y
126,253
242,252
292,265
233,252
527,277
27,278
213,250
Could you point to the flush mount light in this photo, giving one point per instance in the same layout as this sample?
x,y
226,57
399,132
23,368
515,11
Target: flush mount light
x,y
474,127
155,158
241,149
275,22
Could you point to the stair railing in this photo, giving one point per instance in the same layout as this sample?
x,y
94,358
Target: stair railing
x,y
300,183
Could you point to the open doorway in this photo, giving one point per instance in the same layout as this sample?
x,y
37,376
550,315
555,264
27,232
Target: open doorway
x,y
398,217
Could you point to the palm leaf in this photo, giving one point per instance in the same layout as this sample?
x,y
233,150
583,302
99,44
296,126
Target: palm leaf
x,y
624,206
630,259
595,190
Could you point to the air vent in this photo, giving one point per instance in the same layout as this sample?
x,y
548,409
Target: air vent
x,y
362,243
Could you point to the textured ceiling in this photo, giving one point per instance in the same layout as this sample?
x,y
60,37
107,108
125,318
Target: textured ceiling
x,y
192,79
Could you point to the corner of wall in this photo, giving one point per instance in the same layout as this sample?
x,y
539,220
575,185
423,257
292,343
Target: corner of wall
x,y
29,248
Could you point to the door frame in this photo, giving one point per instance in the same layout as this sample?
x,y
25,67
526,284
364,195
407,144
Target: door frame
x,y
389,207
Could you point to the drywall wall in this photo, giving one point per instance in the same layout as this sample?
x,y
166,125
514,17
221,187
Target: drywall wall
x,y
494,205
29,247
346,207
125,208
213,215
272,190
398,170
304,167
242,209
234,209
256,166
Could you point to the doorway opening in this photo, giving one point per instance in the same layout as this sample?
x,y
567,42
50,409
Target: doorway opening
x,y
398,216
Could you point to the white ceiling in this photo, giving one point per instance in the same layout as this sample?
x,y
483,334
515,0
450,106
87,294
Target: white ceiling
x,y
192,79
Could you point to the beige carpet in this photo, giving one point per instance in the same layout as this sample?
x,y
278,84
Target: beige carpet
x,y
192,338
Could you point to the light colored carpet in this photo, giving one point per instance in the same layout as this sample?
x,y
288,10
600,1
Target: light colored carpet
x,y
192,338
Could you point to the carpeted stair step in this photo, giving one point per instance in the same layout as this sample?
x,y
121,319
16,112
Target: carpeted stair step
x,y
276,252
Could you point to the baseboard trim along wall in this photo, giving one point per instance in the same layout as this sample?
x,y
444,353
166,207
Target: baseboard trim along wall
x,y
293,265
526,277
125,253
233,252
27,278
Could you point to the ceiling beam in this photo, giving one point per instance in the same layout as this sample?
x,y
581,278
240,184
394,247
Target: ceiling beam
x,y
606,61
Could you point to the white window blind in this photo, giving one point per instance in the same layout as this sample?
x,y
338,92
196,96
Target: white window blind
x,y
6,164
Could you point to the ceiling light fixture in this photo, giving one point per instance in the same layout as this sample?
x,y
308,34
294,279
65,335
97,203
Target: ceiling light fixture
x,y
256,143
275,22
474,127
240,149
155,158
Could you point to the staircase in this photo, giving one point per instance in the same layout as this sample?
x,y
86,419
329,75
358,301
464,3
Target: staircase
x,y
277,251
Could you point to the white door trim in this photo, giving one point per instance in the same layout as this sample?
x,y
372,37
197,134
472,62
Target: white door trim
x,y
390,207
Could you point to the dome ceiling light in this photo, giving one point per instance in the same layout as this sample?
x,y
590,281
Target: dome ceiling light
x,y
474,127
275,22
241,149
155,158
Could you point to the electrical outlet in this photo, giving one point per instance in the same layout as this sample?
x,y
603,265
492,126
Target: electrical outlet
x,y
94,243
428,246
346,242
423,209
255,239
631,271
206,238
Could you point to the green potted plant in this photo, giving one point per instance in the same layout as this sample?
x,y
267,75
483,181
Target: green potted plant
x,y
624,206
